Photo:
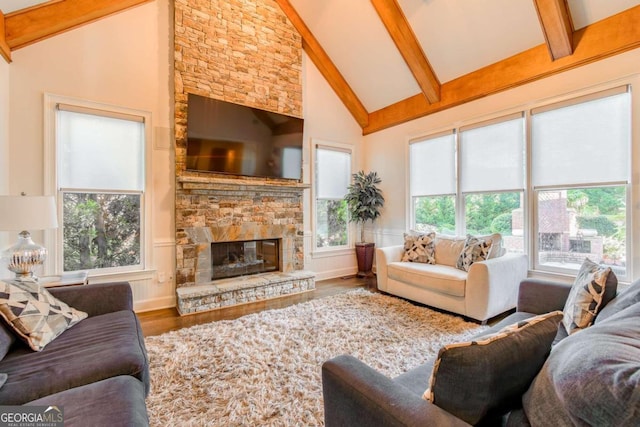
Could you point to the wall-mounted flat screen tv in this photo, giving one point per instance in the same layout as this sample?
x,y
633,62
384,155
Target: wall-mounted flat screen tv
x,y
228,138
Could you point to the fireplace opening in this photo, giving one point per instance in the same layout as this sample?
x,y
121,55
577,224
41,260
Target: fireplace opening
x,y
240,258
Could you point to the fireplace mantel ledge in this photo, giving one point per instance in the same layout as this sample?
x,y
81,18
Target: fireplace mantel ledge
x,y
210,183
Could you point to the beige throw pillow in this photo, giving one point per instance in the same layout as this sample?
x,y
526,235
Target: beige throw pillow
x,y
474,250
586,296
34,314
419,248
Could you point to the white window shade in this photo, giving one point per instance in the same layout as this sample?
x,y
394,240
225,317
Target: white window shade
x,y
583,143
333,173
432,166
98,152
492,157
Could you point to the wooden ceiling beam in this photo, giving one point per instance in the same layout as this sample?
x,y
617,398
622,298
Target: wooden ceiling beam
x,y
5,50
405,40
611,36
555,19
326,67
40,22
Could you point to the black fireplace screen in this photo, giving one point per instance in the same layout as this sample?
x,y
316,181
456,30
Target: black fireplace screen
x,y
230,259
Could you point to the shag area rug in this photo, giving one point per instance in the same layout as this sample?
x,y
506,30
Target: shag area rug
x,y
264,369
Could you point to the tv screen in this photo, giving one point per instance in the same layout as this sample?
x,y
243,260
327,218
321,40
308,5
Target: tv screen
x,y
229,138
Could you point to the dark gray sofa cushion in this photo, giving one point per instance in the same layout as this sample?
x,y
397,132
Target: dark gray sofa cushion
x,y
591,377
625,298
7,338
114,402
95,349
485,378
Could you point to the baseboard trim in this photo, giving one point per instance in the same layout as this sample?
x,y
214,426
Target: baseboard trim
x,y
154,304
333,274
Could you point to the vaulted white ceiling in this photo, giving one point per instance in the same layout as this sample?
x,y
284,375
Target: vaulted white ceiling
x,y
457,36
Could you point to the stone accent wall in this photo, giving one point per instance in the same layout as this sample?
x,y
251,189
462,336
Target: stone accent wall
x,y
241,51
246,52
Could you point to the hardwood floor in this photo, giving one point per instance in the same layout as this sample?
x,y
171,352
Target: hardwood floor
x,y
160,321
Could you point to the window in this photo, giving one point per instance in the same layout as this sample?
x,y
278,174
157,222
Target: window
x,y
492,179
482,192
580,177
432,165
100,186
333,174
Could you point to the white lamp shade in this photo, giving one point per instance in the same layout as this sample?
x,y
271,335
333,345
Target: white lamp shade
x,y
18,213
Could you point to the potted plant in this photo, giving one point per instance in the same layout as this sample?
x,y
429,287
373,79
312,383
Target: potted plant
x,y
364,200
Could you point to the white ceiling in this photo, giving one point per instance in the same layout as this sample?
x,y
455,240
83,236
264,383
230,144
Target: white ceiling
x,y
457,36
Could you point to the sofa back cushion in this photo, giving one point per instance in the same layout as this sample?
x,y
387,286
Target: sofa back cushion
x,y
625,298
448,249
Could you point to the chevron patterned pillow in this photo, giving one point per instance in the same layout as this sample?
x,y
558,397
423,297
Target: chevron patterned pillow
x,y
34,314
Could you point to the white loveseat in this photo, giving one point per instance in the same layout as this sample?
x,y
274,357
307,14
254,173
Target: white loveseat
x,y
489,288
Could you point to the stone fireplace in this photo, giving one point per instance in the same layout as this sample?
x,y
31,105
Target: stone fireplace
x,y
242,214
246,52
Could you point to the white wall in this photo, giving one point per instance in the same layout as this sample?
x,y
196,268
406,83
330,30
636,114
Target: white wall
x,y
326,119
387,151
4,152
122,60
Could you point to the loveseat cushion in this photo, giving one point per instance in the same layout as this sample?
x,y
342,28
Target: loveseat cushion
x,y
448,249
591,377
439,278
97,348
114,402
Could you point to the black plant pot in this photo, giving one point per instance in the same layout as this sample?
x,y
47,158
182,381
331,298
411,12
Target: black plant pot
x,y
364,254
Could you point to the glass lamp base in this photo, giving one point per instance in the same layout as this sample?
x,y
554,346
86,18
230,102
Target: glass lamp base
x,y
25,257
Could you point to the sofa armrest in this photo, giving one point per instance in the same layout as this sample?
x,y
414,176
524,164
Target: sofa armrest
x,y
384,257
492,285
357,395
538,296
96,299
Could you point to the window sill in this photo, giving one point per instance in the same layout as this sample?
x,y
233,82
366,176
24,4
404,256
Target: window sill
x,y
122,276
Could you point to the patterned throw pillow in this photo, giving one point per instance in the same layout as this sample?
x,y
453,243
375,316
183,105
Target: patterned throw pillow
x,y
420,248
586,297
34,314
488,376
474,250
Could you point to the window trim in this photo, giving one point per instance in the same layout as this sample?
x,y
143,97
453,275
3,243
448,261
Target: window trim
x,y
336,146
53,238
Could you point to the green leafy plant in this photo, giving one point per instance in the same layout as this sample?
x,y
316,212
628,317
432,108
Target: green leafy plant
x,y
364,199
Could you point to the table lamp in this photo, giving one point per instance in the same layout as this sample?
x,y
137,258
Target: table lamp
x,y
22,213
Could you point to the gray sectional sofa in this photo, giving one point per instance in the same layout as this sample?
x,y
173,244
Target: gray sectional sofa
x,y
591,377
97,370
